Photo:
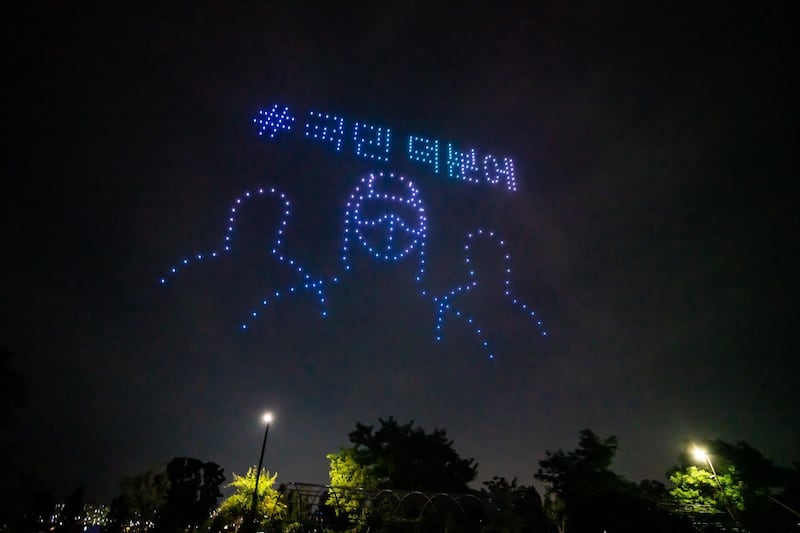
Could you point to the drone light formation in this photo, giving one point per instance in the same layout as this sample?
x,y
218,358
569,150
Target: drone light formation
x,y
305,280
424,151
384,216
400,238
445,303
325,127
373,142
273,121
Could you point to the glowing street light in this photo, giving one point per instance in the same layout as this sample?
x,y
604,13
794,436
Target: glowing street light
x,y
267,419
701,455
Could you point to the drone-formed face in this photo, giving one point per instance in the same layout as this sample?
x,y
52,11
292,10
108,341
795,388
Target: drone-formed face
x,y
386,217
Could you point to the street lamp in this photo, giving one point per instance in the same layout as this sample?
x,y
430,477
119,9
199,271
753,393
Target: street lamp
x,y
267,419
701,455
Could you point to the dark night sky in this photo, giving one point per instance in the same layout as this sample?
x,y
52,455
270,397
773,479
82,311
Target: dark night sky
x,y
652,231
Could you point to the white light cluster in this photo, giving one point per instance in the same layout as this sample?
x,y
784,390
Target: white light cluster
x,y
325,127
424,150
273,120
387,235
444,304
372,142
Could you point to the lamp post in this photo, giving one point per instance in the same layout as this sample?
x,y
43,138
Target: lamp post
x,y
267,419
701,455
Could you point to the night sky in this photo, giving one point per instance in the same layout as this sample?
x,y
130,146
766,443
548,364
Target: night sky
x,y
652,231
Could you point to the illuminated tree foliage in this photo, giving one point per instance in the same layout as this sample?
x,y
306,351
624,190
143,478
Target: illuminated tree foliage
x,y
697,490
757,494
349,479
238,505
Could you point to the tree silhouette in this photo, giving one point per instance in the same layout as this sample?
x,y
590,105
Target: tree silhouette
x,y
512,507
72,511
585,495
572,476
401,456
192,494
368,477
140,499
